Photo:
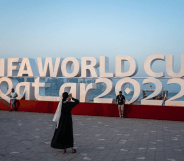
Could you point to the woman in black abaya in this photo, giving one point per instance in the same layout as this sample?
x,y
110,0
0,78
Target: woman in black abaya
x,y
63,135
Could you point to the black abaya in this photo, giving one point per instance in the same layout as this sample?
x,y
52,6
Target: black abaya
x,y
63,135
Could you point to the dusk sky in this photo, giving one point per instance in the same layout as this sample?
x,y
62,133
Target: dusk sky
x,y
78,28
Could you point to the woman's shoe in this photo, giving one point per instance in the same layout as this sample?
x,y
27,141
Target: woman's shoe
x,y
74,151
64,151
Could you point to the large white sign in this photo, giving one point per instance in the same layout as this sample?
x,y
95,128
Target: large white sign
x,y
87,67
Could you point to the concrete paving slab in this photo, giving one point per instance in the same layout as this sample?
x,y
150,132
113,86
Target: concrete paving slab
x,y
27,136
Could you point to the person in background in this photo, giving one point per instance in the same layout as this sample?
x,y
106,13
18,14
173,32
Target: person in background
x,y
13,96
120,100
63,135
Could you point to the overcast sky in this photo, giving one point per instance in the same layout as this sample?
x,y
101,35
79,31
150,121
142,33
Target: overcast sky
x,y
78,28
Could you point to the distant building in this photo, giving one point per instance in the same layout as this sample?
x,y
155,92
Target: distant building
x,y
72,80
20,79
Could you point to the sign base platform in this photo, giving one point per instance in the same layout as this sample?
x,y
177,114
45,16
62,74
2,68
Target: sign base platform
x,y
174,113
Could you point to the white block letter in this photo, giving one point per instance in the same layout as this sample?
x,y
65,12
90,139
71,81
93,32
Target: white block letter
x,y
85,91
171,101
108,90
66,65
169,66
28,67
89,65
104,67
120,62
48,69
6,85
121,85
148,63
40,91
148,100
2,67
25,89
13,66
70,88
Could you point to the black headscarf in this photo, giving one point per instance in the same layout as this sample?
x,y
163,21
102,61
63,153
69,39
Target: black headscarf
x,y
65,96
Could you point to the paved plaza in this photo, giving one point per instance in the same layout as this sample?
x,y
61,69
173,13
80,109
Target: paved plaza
x,y
27,136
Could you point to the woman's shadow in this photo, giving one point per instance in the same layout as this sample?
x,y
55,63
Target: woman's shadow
x,y
127,109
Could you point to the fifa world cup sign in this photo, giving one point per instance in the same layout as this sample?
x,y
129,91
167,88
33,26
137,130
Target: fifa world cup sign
x,y
87,67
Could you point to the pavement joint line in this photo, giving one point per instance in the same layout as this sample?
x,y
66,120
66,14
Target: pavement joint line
x,y
31,146
149,142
